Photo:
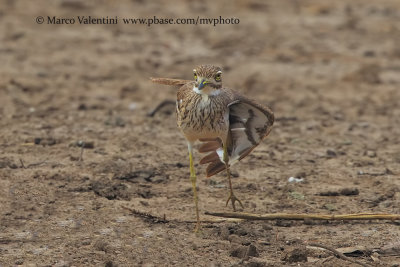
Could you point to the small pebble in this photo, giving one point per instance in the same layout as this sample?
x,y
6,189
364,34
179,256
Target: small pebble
x,y
330,207
235,239
331,153
347,142
121,219
283,223
369,53
148,234
244,252
296,255
82,107
85,144
295,180
267,227
296,195
234,174
132,106
301,175
86,242
349,192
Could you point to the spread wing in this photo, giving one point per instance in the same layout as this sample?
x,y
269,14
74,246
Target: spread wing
x,y
169,81
249,124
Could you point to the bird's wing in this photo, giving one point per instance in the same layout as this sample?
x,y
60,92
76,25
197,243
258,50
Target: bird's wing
x,y
169,81
249,124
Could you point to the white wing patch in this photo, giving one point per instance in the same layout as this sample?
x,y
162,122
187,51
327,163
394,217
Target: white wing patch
x,y
220,153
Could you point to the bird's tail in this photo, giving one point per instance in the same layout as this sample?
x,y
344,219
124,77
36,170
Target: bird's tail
x,y
169,81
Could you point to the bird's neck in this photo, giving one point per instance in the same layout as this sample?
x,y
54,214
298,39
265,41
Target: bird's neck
x,y
206,92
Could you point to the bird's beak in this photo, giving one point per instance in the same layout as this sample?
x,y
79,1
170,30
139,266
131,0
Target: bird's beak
x,y
202,84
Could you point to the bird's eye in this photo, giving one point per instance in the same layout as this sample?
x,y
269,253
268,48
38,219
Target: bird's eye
x,y
218,77
195,76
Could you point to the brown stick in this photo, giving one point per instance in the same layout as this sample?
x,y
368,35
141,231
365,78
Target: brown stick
x,y
160,106
36,164
30,165
288,216
147,216
164,220
22,163
337,253
81,155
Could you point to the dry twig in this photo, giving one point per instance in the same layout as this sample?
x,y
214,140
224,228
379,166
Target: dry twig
x,y
158,219
166,81
22,164
81,155
160,106
147,216
36,164
32,164
337,253
288,216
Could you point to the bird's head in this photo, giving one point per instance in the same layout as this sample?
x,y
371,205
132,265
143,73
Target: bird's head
x,y
207,79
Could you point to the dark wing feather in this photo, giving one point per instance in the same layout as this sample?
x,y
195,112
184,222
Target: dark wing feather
x,y
210,145
249,124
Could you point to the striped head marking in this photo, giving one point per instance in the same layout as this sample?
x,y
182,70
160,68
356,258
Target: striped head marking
x,y
207,80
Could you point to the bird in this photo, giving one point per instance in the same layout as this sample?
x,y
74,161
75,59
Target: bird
x,y
228,124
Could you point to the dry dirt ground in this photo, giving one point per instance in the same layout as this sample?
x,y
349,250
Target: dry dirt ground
x,y
330,70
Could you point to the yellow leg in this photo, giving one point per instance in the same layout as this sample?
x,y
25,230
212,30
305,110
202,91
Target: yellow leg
x,y
193,180
232,196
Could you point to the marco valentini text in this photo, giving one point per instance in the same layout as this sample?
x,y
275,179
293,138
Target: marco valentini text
x,y
82,20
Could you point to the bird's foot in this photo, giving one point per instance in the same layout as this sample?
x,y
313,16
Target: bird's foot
x,y
233,199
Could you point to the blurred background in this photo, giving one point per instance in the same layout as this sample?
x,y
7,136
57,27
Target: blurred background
x,y
330,70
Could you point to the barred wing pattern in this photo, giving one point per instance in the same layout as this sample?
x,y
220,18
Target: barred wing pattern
x,y
249,124
169,81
